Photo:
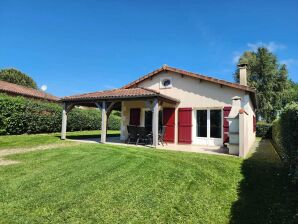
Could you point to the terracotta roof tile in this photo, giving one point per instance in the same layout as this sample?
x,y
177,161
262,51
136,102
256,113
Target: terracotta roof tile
x,y
117,94
15,89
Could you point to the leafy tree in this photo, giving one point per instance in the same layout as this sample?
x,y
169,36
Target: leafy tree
x,y
270,80
291,94
17,77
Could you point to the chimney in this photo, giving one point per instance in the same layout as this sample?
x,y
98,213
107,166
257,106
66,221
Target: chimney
x,y
242,74
236,106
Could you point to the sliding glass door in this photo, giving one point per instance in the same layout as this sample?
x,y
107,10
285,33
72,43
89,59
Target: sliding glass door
x,y
208,125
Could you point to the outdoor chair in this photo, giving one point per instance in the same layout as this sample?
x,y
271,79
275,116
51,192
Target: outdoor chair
x,y
132,134
144,137
138,135
161,136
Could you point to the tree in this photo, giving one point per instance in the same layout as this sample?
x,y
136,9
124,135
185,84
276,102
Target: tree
x,y
291,94
270,80
17,77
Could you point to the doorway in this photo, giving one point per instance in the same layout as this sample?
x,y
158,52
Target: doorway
x,y
208,127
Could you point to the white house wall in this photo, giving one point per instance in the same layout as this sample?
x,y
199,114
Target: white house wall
x,y
192,93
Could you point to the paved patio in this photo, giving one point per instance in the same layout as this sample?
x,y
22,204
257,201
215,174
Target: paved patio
x,y
217,150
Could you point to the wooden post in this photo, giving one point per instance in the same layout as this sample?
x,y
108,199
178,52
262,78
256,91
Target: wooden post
x,y
155,123
103,122
64,122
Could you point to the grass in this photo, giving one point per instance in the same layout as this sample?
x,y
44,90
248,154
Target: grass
x,y
94,183
25,141
265,194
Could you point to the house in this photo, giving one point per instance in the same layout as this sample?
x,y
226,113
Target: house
x,y
18,90
194,108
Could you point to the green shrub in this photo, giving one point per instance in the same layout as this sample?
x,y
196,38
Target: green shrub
x,y
20,115
285,137
276,138
263,129
114,121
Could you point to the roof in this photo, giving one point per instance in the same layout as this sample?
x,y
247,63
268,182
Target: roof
x,y
189,74
15,89
117,94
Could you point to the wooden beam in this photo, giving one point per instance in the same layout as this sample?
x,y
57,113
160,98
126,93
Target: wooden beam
x,y
98,105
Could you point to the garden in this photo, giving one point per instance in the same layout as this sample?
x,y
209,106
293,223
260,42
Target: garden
x,y
86,183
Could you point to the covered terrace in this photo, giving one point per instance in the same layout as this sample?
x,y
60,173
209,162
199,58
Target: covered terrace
x,y
110,100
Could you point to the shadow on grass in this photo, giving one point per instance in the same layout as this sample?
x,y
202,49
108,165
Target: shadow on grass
x,y
86,136
265,195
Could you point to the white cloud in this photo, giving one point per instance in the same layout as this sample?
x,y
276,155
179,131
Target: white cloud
x,y
289,62
272,46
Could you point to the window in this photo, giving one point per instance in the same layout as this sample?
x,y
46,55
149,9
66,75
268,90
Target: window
x,y
148,120
166,83
201,123
215,123
135,116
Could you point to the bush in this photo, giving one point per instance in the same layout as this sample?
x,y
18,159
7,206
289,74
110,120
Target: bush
x,y
20,115
276,138
263,130
285,137
114,121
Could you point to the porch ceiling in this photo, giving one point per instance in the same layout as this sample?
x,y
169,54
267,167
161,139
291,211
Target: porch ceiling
x,y
118,95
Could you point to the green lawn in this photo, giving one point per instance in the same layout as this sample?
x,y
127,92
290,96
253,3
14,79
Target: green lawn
x,y
17,141
94,183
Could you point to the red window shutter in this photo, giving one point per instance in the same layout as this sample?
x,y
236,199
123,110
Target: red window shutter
x,y
254,123
135,114
169,122
226,112
184,125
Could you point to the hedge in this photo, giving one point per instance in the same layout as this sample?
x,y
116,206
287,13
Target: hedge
x,y
263,129
20,115
285,137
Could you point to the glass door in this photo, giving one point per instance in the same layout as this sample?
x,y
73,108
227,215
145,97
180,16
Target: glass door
x,y
208,127
215,127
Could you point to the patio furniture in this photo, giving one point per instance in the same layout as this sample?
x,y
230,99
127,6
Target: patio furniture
x,y
132,134
138,135
144,136
161,136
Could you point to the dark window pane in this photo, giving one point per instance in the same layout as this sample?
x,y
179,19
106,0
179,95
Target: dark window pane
x,y
160,120
201,123
148,120
166,82
215,123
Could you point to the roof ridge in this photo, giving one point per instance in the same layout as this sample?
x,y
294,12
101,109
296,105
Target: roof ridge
x,y
206,76
192,74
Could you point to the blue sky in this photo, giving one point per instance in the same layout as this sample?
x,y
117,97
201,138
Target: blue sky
x,y
83,46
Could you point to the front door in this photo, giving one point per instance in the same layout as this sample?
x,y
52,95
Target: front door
x,y
169,123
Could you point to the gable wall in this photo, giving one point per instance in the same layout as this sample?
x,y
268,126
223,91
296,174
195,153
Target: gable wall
x,y
193,93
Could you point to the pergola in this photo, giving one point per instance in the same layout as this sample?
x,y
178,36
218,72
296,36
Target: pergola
x,y
110,100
